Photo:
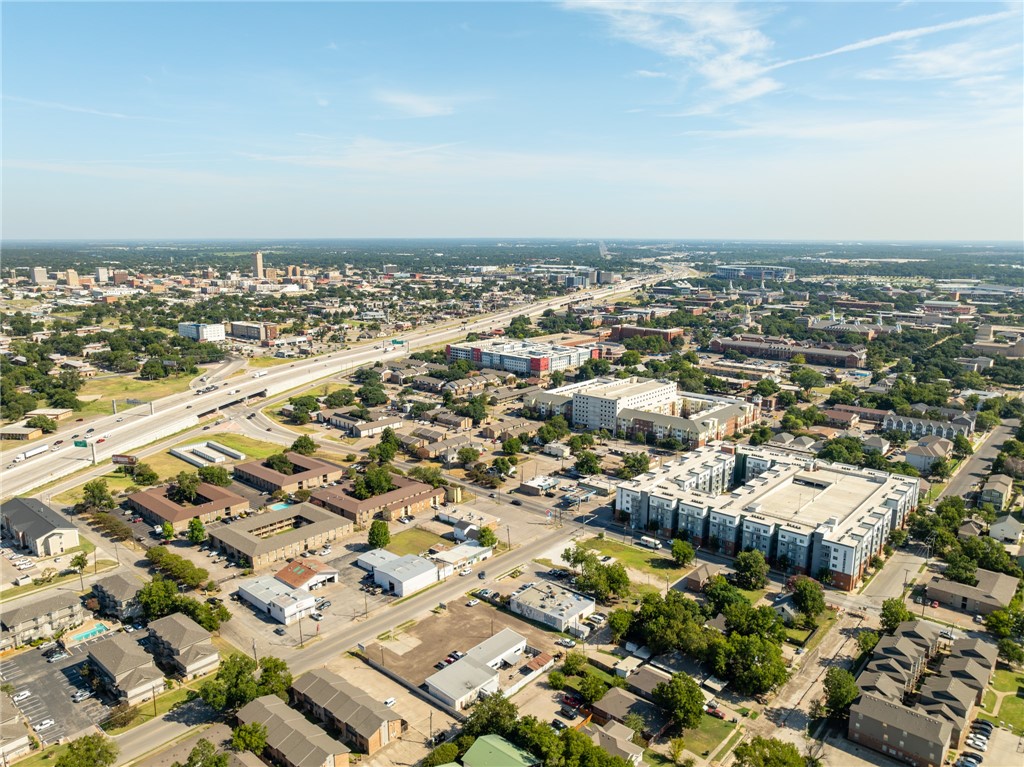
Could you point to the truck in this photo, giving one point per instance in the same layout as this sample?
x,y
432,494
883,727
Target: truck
x,y
651,543
259,374
37,450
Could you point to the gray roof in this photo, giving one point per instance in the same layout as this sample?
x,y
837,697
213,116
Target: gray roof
x,y
35,607
240,537
179,631
120,654
120,586
300,742
462,677
33,518
405,568
984,652
899,716
993,588
345,702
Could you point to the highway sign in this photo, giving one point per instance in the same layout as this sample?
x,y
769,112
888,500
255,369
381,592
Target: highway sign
x,y
124,460
81,443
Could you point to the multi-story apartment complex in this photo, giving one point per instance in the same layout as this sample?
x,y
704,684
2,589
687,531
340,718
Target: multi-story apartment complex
x,y
253,331
962,423
755,272
806,515
524,358
596,404
773,348
703,418
201,331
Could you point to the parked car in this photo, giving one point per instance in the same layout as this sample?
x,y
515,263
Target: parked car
x,y
715,713
323,605
472,603
280,631
20,696
43,725
81,695
57,656
558,725
317,616
935,603
563,642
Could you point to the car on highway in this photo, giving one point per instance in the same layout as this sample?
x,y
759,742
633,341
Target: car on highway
x,y
20,696
43,725
101,439
59,442
89,431
120,419
516,502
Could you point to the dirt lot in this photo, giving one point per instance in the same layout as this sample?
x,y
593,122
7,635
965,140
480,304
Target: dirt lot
x,y
419,714
413,650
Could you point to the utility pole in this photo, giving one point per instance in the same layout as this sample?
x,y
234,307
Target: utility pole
x,y
254,657
508,532
366,605
301,640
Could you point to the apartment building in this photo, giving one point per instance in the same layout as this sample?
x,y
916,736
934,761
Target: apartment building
x,y
183,645
210,504
201,331
962,423
778,348
703,418
39,618
524,358
806,514
125,670
118,596
258,332
36,527
596,404
292,740
409,498
307,473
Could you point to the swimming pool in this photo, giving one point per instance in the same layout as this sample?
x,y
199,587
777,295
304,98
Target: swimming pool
x,y
95,631
281,505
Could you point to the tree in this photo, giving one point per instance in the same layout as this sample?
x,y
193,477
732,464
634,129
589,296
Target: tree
x,y
215,475
591,688
96,495
501,465
866,641
751,570
681,696
249,737
48,425
682,552
809,597
204,754
379,536
304,445
619,623
430,475
446,753
158,597
753,663
894,612
196,531
840,691
767,752
143,474
487,537
78,563
587,463
122,715
807,378
167,531
237,683
468,455
634,464
511,446
493,714
279,462
574,663
962,446
766,387
186,486
556,680
961,568
89,751
1010,651
152,369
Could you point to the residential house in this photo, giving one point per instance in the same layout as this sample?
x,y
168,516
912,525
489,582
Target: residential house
x,y
927,451
124,669
37,527
617,704
1006,529
993,592
182,644
617,740
359,718
998,491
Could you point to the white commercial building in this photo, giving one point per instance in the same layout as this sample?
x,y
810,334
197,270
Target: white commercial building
x,y
281,602
596,404
524,358
806,516
554,606
406,575
476,673
463,555
200,331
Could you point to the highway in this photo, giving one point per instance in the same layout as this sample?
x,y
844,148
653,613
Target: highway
x,y
143,424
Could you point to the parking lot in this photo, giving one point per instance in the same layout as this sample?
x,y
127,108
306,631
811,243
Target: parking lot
x,y
51,686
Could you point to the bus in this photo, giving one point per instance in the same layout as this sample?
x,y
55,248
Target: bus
x,y
651,543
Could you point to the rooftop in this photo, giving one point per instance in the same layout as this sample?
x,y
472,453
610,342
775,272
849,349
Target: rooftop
x,y
244,535
209,498
306,467
300,571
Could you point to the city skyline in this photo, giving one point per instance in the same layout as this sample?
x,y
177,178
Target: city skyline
x,y
808,121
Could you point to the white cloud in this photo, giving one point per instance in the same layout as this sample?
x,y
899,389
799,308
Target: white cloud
x,y
322,102
414,104
966,61
649,73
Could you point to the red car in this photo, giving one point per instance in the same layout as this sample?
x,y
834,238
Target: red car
x,y
100,440
715,713
571,700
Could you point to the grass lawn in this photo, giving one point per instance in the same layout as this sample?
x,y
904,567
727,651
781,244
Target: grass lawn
x,y
20,591
267,362
635,558
107,388
1005,680
753,597
711,732
413,541
797,636
657,760
1011,711
145,710
988,702
825,624
42,758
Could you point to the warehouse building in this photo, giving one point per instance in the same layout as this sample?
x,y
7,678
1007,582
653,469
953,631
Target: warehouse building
x,y
553,606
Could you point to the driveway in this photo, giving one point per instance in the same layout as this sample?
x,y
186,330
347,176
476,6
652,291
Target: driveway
x,y
979,465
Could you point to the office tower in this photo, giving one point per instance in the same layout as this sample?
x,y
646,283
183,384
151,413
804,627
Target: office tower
x,y
257,265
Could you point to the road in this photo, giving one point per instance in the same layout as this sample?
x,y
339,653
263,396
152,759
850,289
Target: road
x,y
141,425
974,470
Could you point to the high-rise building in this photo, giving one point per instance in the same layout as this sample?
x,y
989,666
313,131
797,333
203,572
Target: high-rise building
x,y
72,277
199,331
120,276
257,265
39,275
102,274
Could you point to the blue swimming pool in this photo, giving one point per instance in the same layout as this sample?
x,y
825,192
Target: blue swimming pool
x,y
95,631
281,505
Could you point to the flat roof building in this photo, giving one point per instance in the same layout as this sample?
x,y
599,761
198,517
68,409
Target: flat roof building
x,y
554,606
276,599
406,575
476,673
524,358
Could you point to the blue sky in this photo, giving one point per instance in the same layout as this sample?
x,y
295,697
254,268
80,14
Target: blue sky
x,y
865,120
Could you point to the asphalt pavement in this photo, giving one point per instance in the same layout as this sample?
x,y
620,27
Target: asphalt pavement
x,y
978,466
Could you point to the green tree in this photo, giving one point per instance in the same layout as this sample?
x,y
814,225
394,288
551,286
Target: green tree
x,y
840,691
78,563
186,486
143,474
96,495
430,475
866,641
751,570
682,552
556,680
587,463
236,682
48,425
807,378
574,663
468,455
493,714
1010,651
809,597
158,597
379,536
89,751
961,568
167,531
446,753
766,387
681,696
634,464
619,623
511,446
501,465
279,462
962,446
122,715
894,612
340,398
215,475
304,445
249,737
196,531
487,537
767,752
753,663
204,754
591,688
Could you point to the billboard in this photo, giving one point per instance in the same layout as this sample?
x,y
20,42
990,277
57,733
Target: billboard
x,y
124,460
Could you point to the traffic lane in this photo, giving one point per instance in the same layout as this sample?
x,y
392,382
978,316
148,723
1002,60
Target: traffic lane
x,y
979,465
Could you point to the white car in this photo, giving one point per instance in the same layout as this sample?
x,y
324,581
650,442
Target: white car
x,y
43,725
317,616
466,571
563,642
472,603
20,696
977,745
